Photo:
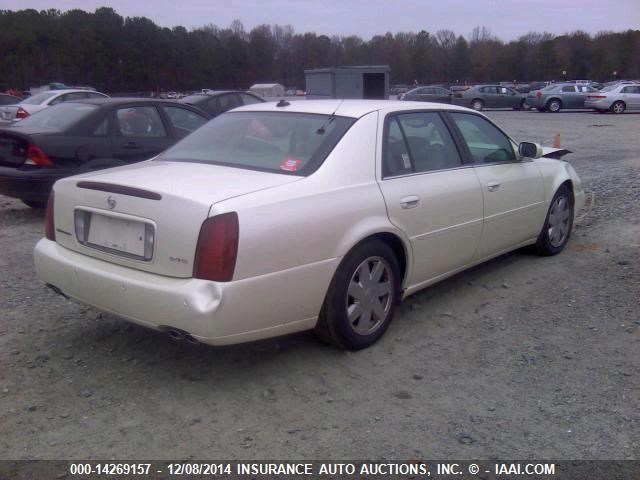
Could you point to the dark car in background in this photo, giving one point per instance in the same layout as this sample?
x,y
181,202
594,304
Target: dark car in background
x,y
491,96
428,94
92,134
557,96
215,102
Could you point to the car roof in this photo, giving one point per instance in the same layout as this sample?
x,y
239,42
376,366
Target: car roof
x,y
70,90
346,108
122,100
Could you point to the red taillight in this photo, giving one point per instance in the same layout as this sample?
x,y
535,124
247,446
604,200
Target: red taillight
x,y
36,156
217,248
538,94
49,225
22,113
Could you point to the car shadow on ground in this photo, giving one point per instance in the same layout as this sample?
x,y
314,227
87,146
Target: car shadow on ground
x,y
159,358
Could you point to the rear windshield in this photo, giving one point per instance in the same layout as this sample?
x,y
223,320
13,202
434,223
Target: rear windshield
x,y
550,87
38,99
609,88
279,142
58,117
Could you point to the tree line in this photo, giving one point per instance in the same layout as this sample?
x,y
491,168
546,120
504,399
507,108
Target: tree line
x,y
116,54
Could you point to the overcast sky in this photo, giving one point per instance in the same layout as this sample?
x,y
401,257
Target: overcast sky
x,y
365,18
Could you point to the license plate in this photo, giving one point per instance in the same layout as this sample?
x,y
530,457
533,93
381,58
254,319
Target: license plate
x,y
112,233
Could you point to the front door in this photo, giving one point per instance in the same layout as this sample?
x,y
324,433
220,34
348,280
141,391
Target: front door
x,y
430,193
512,188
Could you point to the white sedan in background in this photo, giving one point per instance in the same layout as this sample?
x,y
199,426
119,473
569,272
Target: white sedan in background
x,y
278,218
30,105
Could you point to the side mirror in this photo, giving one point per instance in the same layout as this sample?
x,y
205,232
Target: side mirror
x,y
530,150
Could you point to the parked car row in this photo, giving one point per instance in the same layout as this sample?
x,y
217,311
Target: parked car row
x,y
617,98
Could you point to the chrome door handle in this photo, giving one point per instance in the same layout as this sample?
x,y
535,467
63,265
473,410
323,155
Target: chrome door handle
x,y
493,186
410,202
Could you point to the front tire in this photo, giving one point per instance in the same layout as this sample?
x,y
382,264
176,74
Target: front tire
x,y
362,297
558,224
618,107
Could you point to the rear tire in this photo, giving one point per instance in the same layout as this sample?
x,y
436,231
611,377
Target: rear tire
x,y
557,225
477,105
554,106
362,297
618,107
525,106
35,204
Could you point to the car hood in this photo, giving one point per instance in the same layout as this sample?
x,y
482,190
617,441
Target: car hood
x,y
203,183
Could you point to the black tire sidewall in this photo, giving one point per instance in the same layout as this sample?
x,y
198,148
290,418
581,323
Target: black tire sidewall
x,y
337,295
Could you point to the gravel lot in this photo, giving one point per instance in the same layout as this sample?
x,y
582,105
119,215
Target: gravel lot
x,y
522,357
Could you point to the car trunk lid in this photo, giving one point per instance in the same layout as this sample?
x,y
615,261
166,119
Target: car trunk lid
x,y
148,216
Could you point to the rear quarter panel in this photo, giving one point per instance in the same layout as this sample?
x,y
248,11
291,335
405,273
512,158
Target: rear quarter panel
x,y
317,219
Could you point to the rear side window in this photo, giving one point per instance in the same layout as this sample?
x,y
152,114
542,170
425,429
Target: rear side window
x,y
139,122
184,121
249,99
485,141
279,142
416,143
569,88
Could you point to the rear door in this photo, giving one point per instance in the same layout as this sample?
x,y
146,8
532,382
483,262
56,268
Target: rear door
x,y
139,133
490,97
512,189
430,193
572,97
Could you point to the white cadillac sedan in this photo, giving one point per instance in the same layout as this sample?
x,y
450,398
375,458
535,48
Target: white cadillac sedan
x,y
278,218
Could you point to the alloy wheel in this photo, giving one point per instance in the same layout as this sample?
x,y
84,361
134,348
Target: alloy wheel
x,y
559,218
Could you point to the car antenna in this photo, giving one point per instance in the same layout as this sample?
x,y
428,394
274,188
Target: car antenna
x,y
331,118
283,103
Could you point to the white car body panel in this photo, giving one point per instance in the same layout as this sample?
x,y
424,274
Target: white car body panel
x,y
294,231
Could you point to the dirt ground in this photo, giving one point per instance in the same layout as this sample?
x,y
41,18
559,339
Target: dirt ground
x,y
522,357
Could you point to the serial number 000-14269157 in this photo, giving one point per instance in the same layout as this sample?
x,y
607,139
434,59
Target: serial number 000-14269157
x,y
109,468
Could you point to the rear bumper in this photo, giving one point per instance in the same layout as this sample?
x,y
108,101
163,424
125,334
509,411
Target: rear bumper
x,y
215,313
30,184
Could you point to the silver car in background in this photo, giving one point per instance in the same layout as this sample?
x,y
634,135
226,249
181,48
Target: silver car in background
x,y
615,98
557,96
10,114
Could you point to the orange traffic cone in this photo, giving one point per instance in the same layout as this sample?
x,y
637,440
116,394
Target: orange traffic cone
x,y
556,141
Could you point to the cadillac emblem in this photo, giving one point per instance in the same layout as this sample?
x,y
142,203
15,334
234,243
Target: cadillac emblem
x,y
111,202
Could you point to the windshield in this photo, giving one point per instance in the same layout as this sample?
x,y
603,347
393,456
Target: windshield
x,y
279,142
38,99
59,116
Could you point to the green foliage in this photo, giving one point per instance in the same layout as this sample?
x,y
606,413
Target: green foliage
x,y
116,54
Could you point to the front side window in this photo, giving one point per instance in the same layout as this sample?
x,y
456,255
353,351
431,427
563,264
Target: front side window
x,y
485,141
278,142
418,142
140,122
